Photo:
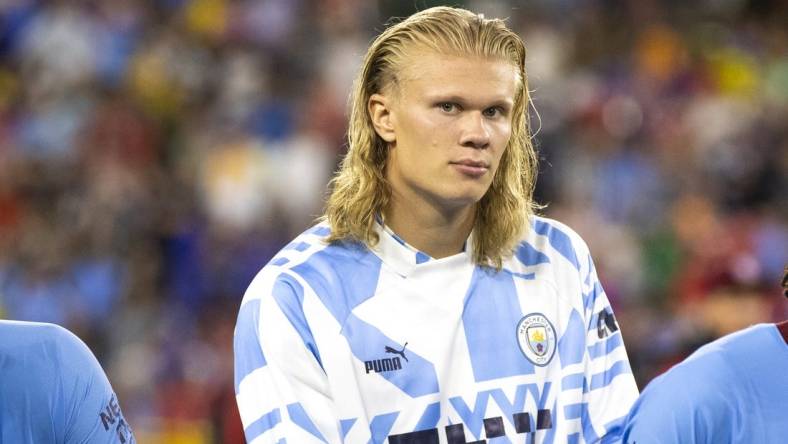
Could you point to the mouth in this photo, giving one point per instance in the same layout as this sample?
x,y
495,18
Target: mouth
x,y
471,168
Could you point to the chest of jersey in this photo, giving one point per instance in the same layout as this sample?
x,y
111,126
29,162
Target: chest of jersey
x,y
455,352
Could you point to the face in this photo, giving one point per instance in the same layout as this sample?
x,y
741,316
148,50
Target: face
x,y
447,125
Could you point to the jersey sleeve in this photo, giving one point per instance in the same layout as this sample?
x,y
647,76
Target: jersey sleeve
x,y
592,340
281,388
689,403
609,385
90,408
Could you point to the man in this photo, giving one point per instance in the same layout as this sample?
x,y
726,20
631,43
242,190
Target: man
x,y
431,305
53,390
732,390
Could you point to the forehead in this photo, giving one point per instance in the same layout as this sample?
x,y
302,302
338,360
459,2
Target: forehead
x,y
432,73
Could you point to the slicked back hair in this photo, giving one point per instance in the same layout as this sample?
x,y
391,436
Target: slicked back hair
x,y
359,190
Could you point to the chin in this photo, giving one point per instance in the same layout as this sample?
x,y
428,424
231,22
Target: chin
x,y
461,198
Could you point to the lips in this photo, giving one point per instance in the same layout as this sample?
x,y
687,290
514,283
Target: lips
x,y
471,168
472,163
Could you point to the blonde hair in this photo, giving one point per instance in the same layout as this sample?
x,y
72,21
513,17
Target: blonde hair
x,y
360,191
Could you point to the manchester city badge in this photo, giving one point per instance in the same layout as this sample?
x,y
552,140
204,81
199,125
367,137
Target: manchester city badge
x,y
536,337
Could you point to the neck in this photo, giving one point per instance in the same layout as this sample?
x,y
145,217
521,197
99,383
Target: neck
x,y
434,231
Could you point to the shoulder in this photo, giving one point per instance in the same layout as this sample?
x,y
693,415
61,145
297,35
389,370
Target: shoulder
x,y
32,331
310,280
545,226
48,349
754,338
296,252
30,351
311,248
50,376
51,342
555,239
549,243
692,400
309,257
303,246
721,358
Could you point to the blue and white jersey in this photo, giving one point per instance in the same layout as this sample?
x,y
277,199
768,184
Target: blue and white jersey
x,y
342,343
53,390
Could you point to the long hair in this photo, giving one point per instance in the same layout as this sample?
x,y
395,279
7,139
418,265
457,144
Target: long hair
x,y
360,190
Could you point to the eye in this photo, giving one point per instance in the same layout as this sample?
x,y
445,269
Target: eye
x,y
493,111
447,107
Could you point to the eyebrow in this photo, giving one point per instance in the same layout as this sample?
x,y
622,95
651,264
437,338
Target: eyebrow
x,y
506,103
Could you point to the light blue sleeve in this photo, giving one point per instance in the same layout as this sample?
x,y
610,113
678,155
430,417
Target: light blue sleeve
x,y
90,408
688,404
52,389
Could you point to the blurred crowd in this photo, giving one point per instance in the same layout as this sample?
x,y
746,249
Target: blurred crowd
x,y
154,155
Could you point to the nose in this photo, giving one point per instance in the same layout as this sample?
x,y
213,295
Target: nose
x,y
475,133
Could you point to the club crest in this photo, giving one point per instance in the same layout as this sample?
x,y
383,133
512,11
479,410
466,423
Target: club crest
x,y
536,337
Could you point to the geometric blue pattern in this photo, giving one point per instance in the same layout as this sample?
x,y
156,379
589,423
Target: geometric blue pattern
x,y
248,354
559,240
327,273
492,301
301,419
571,346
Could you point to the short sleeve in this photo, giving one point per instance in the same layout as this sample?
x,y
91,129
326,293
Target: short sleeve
x,y
90,407
686,404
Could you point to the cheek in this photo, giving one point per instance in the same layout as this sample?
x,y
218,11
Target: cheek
x,y
503,132
502,136
421,135
501,145
426,127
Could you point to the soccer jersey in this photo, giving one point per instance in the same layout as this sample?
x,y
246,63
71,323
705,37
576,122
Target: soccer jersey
x,y
52,389
733,390
343,343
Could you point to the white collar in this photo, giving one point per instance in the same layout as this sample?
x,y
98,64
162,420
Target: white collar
x,y
405,258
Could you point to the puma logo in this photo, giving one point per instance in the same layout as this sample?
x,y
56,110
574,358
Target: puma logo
x,y
387,364
398,352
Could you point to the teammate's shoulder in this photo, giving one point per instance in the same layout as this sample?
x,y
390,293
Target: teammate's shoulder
x,y
703,392
704,370
729,350
695,394
36,333
50,346
686,403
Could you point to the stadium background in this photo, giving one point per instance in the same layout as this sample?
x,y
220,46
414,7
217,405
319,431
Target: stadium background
x,y
155,154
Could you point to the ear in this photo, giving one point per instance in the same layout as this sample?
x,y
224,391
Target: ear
x,y
380,114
